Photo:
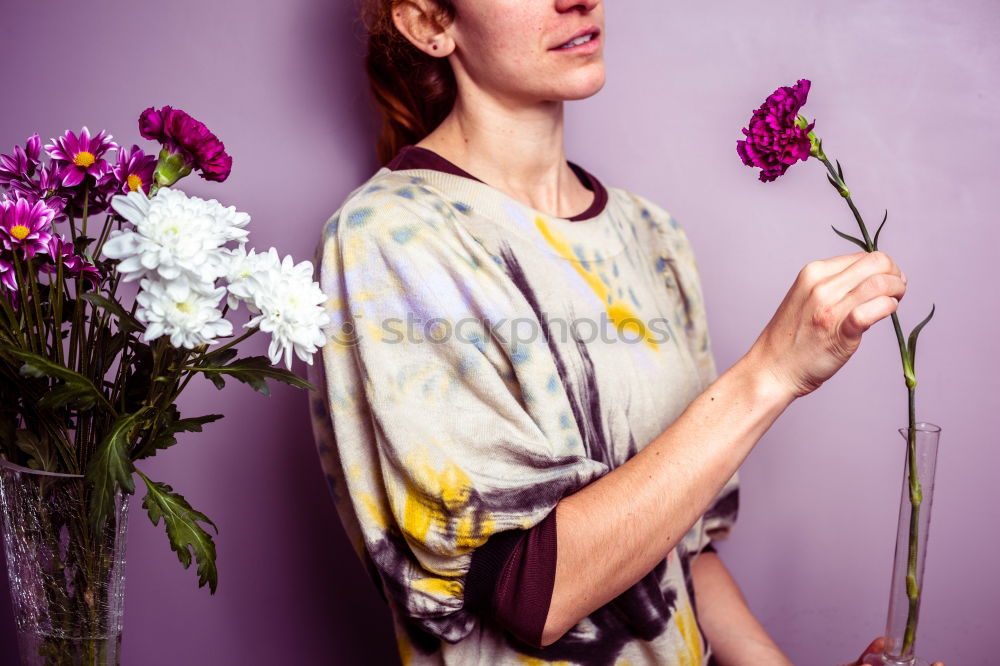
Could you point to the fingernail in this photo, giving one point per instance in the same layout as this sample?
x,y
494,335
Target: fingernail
x,y
903,277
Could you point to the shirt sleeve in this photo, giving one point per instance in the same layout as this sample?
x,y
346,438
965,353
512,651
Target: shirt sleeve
x,y
681,274
440,444
512,577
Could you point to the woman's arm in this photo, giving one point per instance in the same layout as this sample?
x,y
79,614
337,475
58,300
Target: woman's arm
x,y
616,529
612,532
736,637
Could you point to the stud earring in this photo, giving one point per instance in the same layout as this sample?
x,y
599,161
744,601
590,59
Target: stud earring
x,y
434,47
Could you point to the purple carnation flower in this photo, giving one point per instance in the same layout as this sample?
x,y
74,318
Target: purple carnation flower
x,y
73,264
21,165
25,224
777,137
188,142
82,156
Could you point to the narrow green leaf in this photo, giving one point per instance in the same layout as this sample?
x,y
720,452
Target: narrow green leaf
x,y
860,243
125,320
78,388
173,425
833,182
911,346
183,530
221,357
253,371
840,172
879,230
111,467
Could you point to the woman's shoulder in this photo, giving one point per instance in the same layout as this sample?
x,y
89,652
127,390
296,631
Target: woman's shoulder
x,y
388,202
646,214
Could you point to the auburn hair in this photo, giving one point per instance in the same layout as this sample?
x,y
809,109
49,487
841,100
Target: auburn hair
x,y
413,91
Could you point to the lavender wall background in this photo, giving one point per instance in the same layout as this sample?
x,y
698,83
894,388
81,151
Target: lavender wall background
x,y
905,94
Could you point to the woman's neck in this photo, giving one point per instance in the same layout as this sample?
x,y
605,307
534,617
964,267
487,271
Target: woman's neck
x,y
517,151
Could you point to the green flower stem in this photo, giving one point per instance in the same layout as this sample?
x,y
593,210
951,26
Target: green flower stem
x,y
43,330
22,288
916,492
77,328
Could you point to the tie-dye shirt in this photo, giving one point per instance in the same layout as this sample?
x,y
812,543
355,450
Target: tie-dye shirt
x,y
485,360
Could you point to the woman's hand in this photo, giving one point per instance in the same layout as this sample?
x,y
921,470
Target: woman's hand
x,y
819,324
876,647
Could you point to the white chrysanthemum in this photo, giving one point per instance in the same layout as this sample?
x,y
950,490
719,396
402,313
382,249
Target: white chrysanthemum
x,y
291,308
175,235
189,316
241,266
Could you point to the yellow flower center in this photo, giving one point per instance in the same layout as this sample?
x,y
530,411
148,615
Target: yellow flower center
x,y
84,159
19,231
184,307
134,182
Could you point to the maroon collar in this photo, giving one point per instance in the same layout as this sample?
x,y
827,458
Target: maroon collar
x,y
418,157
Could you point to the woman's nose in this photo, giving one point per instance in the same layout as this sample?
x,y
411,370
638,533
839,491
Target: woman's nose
x,y
568,5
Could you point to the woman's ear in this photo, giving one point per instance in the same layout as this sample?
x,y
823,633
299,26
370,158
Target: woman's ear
x,y
418,21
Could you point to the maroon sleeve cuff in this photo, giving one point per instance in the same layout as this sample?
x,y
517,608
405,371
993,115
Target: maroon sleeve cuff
x,y
511,577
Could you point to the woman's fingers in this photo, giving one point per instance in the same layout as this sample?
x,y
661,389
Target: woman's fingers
x,y
875,647
866,266
821,269
864,316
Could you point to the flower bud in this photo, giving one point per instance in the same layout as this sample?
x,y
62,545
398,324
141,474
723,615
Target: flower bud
x,y
170,168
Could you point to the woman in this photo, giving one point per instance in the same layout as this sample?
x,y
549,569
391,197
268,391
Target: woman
x,y
520,416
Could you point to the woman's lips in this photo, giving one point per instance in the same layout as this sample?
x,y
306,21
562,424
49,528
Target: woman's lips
x,y
587,47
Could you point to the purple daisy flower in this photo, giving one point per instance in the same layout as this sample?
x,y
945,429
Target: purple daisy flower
x,y
46,182
187,144
25,224
73,264
134,170
21,165
7,276
82,156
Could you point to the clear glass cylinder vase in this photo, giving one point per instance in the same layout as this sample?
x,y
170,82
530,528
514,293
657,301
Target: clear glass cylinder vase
x,y
906,591
67,581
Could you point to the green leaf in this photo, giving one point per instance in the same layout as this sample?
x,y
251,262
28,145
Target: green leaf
x,y
253,371
220,357
840,172
110,466
171,426
854,240
125,320
77,388
879,230
42,456
80,244
911,347
67,395
183,530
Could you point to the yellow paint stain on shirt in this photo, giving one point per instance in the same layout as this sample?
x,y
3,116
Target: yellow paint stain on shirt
x,y
438,587
532,661
374,510
440,499
624,318
688,628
